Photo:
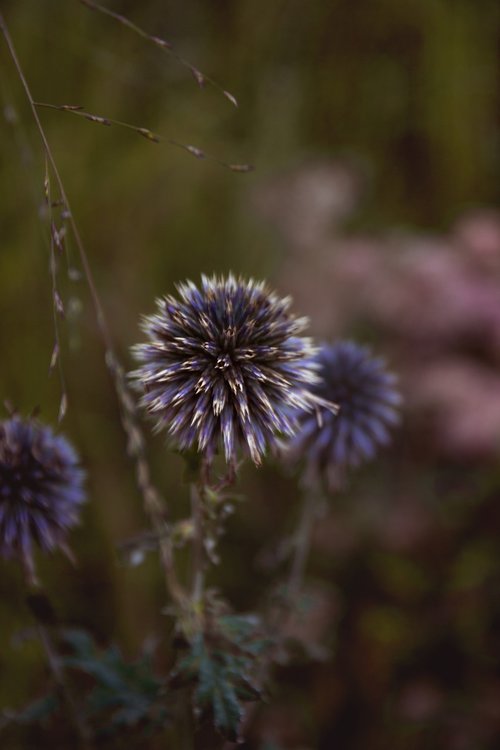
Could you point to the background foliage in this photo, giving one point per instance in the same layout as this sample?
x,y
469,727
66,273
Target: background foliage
x,y
374,130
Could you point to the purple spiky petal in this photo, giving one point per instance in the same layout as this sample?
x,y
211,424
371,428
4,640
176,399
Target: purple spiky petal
x,y
41,489
225,366
368,399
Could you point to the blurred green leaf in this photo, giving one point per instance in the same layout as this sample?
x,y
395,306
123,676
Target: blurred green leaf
x,y
126,693
221,664
38,711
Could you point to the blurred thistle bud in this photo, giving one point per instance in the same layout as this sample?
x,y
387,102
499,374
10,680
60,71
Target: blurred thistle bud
x,y
226,365
41,489
368,399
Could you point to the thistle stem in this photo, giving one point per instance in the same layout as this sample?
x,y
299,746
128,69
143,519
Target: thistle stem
x,y
156,512
280,615
302,545
198,560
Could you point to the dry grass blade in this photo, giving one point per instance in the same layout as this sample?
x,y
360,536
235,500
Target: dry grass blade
x,y
54,358
57,303
199,154
63,407
201,79
149,135
154,505
52,240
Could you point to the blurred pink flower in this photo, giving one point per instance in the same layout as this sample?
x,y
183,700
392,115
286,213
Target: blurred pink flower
x,y
462,399
432,302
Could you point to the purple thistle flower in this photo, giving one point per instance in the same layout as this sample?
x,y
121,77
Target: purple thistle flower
x,y
368,399
40,489
225,365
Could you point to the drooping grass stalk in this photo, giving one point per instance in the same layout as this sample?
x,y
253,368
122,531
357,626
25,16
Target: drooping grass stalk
x,y
153,503
166,47
57,305
146,133
53,241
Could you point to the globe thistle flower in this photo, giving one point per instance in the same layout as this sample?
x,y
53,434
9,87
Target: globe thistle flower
x,y
368,399
225,365
40,489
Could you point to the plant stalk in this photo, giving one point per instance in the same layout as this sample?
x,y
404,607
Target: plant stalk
x,y
302,545
198,548
153,504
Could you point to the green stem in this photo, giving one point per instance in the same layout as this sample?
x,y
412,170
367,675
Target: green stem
x,y
198,560
282,612
302,545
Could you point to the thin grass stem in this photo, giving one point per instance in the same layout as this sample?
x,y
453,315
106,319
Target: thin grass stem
x,y
149,135
153,503
166,47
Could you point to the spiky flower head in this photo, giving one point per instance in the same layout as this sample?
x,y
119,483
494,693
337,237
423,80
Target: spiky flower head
x,y
40,489
368,399
225,365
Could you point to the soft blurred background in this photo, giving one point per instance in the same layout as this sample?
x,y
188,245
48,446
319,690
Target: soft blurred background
x,y
374,130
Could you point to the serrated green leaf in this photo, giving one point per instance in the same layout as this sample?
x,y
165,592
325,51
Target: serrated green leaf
x,y
98,669
259,646
206,678
239,629
215,692
80,641
39,710
227,709
132,713
247,691
125,693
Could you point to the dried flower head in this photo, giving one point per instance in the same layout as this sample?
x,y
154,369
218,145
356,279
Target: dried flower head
x,y
40,489
368,398
225,364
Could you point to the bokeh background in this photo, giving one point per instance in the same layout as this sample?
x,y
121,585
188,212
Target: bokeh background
x,y
374,130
